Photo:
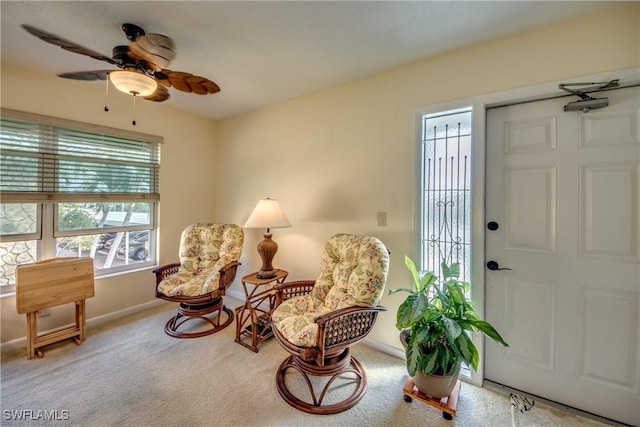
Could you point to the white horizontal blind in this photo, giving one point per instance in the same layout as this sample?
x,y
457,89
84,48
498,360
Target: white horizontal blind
x,y
48,163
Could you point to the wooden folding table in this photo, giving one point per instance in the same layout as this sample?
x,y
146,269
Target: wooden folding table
x,y
50,283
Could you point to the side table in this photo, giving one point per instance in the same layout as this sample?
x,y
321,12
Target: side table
x,y
253,323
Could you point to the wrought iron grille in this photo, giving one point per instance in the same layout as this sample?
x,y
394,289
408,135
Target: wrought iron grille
x,y
446,196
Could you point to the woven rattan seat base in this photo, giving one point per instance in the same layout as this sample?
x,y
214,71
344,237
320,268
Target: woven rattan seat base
x,y
209,312
341,365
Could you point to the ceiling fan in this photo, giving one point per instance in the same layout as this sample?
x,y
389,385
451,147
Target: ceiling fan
x,y
141,65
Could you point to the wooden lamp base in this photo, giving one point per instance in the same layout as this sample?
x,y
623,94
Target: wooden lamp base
x,y
267,249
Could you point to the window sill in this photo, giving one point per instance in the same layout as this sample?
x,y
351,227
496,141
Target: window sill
x,y
10,293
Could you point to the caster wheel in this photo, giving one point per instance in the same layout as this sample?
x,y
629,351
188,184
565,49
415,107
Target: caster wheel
x,y
447,416
407,398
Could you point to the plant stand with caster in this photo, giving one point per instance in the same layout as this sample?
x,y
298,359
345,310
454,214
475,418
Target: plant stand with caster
x,y
447,404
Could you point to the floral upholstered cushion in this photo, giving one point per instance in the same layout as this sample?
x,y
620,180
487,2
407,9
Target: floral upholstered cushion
x,y
204,250
353,271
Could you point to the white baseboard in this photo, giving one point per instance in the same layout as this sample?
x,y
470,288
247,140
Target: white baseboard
x,y
236,294
385,348
99,320
21,343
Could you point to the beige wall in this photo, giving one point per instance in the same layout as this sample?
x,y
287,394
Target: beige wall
x,y
333,158
336,157
186,177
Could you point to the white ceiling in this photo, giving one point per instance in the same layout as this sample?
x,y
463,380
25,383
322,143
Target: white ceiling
x,y
262,52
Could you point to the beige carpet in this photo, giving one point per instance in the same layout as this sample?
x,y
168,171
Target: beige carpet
x,y
129,373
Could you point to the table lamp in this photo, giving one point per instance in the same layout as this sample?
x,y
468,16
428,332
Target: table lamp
x,y
267,214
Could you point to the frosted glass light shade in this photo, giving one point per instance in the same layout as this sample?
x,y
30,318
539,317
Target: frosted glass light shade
x,y
267,214
133,83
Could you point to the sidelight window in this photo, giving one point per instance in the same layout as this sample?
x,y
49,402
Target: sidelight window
x,y
446,190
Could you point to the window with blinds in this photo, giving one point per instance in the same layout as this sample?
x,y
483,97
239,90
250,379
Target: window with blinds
x,y
44,163
73,189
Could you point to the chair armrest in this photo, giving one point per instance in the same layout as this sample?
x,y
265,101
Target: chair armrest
x,y
346,326
288,290
165,271
228,274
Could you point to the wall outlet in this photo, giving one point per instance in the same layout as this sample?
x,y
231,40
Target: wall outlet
x,y
382,219
44,312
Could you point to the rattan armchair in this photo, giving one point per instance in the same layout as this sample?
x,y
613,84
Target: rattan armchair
x,y
209,256
318,322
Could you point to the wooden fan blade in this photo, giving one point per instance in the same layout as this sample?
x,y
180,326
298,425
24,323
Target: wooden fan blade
x,y
86,75
163,81
157,50
66,44
211,86
187,82
161,94
177,80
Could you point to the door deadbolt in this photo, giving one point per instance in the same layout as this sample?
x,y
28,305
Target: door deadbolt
x,y
492,225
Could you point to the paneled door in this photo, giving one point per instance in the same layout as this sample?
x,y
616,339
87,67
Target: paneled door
x,y
563,232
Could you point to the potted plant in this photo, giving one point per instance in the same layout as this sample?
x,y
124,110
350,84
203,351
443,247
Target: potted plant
x,y
434,320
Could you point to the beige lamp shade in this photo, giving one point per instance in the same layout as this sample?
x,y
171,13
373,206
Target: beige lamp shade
x,y
267,214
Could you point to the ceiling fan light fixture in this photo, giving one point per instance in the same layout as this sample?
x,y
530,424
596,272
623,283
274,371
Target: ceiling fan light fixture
x,y
133,83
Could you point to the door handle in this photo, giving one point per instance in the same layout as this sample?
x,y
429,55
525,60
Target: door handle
x,y
492,265
492,225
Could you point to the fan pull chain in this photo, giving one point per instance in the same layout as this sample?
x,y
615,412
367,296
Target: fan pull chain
x,y
134,110
106,98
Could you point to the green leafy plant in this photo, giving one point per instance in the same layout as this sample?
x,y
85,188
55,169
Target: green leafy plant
x,y
437,317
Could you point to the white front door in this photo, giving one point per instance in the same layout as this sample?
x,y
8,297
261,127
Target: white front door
x,y
563,189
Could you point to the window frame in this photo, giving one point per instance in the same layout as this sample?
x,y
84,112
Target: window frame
x,y
20,237
429,175
478,105
48,199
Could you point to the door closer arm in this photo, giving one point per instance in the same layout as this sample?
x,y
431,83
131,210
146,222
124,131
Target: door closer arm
x,y
586,102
